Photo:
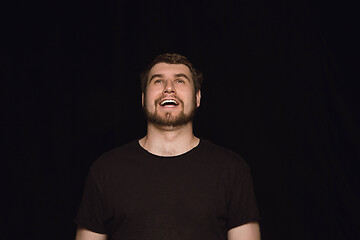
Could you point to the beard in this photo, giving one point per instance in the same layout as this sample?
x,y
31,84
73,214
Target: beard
x,y
169,120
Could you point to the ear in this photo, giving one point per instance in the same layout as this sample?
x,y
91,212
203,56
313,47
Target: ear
x,y
198,98
142,99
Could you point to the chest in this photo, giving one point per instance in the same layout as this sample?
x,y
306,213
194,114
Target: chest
x,y
166,194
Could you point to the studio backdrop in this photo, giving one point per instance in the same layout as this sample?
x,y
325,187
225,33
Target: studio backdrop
x,y
280,88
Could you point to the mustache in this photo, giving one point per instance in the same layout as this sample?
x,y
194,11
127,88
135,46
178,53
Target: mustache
x,y
158,100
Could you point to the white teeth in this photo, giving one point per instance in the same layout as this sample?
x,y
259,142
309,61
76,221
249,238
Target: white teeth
x,y
168,101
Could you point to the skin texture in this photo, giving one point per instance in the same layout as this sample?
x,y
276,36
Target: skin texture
x,y
165,83
166,136
249,231
84,234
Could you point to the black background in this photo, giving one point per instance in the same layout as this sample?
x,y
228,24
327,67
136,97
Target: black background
x,y
280,88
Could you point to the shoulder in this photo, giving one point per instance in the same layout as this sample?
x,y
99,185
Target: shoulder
x,y
224,155
115,157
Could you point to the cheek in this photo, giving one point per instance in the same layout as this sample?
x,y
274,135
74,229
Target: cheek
x,y
149,100
152,93
190,101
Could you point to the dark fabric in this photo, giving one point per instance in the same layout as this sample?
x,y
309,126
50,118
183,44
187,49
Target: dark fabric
x,y
280,77
133,194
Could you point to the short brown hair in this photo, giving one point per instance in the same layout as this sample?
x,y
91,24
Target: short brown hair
x,y
172,58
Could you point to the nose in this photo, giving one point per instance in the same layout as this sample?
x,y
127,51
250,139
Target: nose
x,y
169,87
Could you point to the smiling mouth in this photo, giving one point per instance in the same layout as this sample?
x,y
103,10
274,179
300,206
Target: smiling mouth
x,y
169,103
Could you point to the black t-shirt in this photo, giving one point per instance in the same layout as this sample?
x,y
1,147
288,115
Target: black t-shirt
x,y
131,194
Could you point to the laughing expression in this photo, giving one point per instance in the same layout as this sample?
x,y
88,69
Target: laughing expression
x,y
170,98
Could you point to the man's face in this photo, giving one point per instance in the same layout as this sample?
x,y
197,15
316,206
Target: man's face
x,y
169,99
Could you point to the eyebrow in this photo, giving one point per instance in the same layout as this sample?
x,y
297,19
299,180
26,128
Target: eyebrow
x,y
182,75
162,75
156,75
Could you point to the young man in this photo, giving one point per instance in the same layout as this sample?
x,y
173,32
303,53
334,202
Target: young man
x,y
169,185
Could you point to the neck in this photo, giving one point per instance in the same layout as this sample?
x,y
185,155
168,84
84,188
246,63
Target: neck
x,y
169,141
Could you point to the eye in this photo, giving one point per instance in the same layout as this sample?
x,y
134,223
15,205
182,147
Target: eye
x,y
158,81
179,81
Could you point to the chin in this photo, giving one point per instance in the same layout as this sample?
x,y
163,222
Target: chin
x,y
169,120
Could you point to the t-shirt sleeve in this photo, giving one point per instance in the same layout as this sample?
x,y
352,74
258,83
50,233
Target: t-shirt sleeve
x,y
90,213
242,205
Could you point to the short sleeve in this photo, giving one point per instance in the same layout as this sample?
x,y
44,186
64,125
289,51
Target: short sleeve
x,y
242,206
90,213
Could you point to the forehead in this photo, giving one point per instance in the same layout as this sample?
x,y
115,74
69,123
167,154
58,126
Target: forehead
x,y
169,69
